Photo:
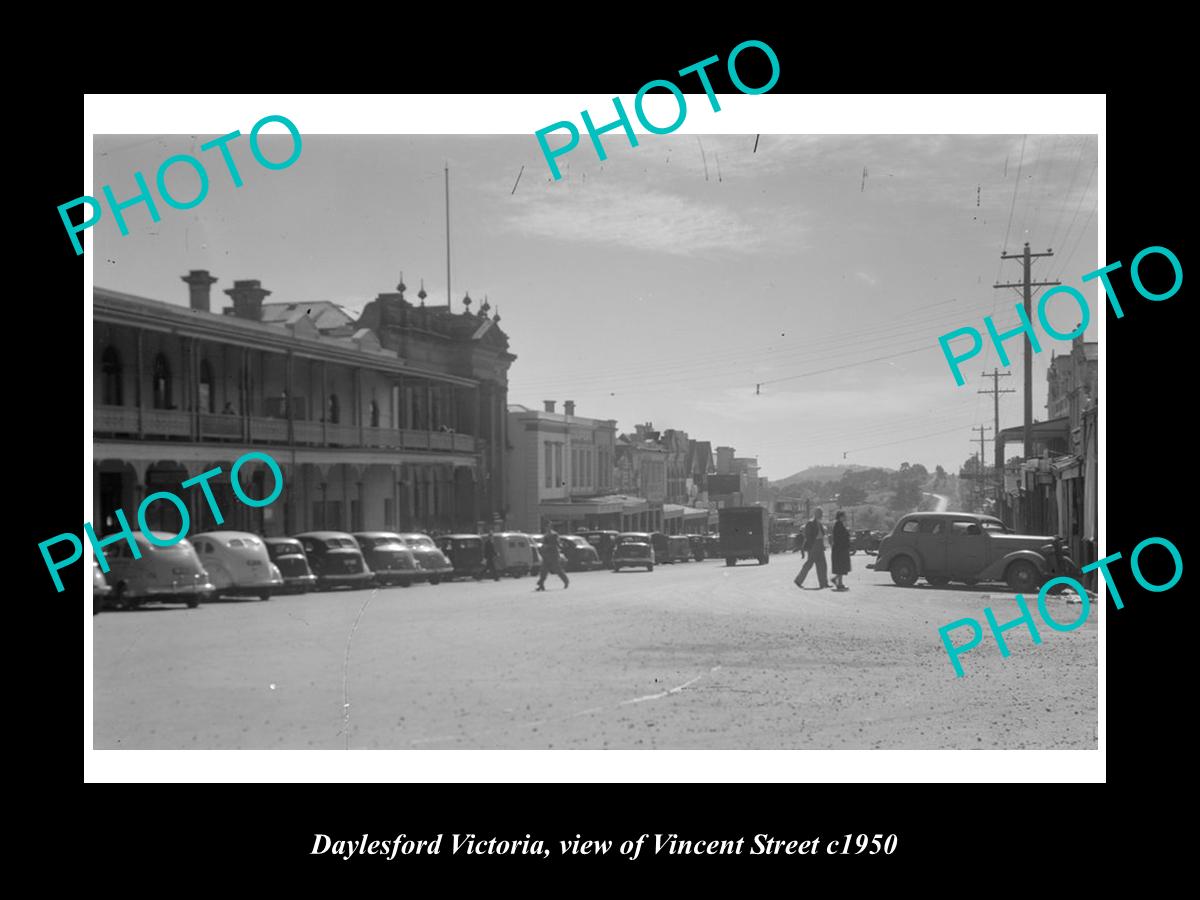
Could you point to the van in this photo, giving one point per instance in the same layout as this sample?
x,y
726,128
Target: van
x,y
514,553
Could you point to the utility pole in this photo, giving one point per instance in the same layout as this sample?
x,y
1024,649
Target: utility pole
x,y
1027,259
982,462
996,375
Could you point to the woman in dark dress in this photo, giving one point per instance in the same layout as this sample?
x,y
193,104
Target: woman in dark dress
x,y
840,556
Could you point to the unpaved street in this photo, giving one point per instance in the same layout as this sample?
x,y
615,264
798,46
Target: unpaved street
x,y
694,655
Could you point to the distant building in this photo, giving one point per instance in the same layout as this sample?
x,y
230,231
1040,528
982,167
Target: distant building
x,y
560,470
1072,382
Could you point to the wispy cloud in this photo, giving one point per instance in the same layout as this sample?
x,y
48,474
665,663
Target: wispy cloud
x,y
649,219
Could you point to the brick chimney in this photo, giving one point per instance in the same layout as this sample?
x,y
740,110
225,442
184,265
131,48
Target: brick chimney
x,y
549,404
248,298
569,407
199,284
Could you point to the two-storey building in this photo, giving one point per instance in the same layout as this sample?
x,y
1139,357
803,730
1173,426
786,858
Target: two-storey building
x,y
394,422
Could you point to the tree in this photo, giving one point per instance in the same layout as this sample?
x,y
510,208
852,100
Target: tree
x,y
851,495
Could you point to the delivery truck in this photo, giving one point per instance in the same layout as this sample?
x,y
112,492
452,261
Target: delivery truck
x,y
744,534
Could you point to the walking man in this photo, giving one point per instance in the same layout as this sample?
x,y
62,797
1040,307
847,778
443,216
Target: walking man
x,y
814,544
551,560
489,557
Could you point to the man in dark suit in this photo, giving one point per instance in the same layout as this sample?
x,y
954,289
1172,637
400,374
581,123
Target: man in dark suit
x,y
814,546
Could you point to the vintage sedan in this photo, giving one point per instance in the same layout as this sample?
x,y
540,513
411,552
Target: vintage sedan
x,y
390,558
679,549
336,559
171,574
465,552
288,556
970,548
697,543
237,564
433,562
578,554
633,554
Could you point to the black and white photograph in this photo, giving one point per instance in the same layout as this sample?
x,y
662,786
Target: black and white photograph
x,y
401,443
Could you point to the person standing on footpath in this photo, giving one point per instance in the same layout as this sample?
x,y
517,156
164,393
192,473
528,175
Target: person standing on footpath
x,y
489,557
839,556
814,545
551,560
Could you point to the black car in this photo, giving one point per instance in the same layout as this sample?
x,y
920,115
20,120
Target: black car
x,y
336,559
288,556
389,558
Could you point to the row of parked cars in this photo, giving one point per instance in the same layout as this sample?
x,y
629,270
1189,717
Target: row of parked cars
x,y
234,563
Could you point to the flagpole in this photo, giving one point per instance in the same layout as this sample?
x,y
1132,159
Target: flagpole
x,y
448,303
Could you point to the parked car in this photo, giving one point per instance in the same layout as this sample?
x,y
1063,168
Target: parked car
x,y
433,562
697,543
603,541
578,555
336,559
465,552
970,548
288,556
171,574
679,548
744,534
712,546
656,539
633,554
237,563
535,556
100,589
392,561
865,540
781,543
515,553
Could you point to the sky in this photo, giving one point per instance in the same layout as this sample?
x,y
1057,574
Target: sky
x,y
785,300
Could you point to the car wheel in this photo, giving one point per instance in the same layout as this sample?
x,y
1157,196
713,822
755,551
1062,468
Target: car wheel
x,y
762,560
193,602
264,595
904,571
435,580
730,561
650,568
616,568
405,582
1022,575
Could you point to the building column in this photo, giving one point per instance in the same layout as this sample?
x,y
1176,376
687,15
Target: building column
x,y
138,390
244,394
289,391
358,407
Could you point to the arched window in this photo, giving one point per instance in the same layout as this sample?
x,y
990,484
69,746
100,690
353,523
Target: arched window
x,y
374,410
207,400
162,383
110,365
334,409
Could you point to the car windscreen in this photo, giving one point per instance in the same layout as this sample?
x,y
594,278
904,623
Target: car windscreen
x,y
387,544
420,543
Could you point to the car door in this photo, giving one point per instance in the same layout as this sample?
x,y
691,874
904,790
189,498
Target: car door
x,y
968,549
931,544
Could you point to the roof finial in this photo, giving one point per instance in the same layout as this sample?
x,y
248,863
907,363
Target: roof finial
x,y
467,301
484,307
401,287
496,317
421,295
